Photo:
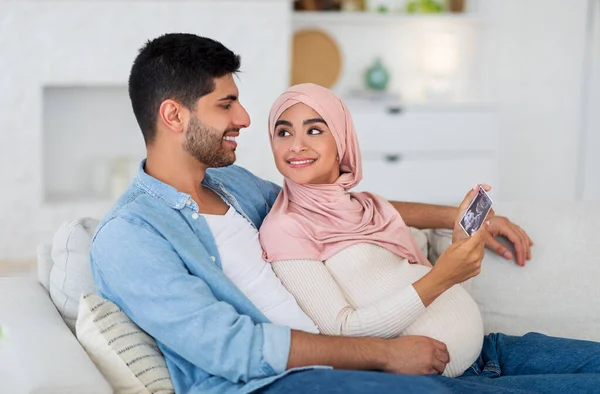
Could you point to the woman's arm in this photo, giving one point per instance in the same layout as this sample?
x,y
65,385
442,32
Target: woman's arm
x,y
322,300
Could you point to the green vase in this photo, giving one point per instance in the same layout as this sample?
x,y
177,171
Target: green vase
x,y
377,76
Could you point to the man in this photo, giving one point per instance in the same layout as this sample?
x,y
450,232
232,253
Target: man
x,y
155,256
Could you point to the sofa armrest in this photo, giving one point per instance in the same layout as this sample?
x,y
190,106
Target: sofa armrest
x,y
39,354
556,293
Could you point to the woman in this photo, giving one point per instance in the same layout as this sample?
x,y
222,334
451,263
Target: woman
x,y
348,258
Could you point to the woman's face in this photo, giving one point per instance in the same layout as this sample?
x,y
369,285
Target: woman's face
x,y
304,148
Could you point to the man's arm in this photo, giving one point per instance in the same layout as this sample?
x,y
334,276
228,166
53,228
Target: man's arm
x,y
412,355
138,269
424,216
355,353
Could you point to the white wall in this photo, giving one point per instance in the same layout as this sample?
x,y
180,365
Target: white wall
x,y
93,43
531,66
94,127
533,69
589,181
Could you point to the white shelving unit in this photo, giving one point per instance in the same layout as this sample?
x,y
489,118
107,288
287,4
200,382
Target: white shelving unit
x,y
373,18
415,48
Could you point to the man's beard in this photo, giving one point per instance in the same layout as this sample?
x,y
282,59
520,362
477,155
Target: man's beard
x,y
205,144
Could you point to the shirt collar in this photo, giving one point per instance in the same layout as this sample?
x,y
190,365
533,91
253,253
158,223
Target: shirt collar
x,y
160,190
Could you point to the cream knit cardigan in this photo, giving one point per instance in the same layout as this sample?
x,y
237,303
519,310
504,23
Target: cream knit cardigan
x,y
365,290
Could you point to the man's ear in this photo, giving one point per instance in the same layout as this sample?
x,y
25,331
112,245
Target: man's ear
x,y
173,115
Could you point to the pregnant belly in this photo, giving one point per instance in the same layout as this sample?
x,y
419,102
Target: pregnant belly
x,y
453,318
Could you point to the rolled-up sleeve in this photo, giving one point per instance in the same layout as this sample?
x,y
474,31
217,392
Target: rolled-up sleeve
x,y
138,269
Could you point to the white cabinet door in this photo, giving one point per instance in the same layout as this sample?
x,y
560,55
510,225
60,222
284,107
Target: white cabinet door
x,y
432,156
425,131
429,180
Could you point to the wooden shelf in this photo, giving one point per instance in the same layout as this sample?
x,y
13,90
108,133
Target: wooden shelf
x,y
373,18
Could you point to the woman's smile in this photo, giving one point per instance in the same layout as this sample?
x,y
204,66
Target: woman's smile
x,y
296,162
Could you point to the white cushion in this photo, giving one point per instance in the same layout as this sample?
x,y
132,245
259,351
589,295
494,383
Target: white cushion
x,y
71,274
421,237
556,293
39,354
127,356
44,264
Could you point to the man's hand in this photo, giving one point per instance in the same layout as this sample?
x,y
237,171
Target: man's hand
x,y
416,355
500,225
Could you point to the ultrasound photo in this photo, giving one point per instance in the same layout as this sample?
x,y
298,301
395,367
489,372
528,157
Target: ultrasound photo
x,y
476,212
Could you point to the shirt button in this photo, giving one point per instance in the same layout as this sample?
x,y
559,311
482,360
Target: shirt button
x,y
194,216
188,201
213,258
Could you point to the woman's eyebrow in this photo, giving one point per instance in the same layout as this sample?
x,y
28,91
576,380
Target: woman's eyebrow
x,y
315,120
283,122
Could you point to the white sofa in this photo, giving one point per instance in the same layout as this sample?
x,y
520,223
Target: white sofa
x,y
556,293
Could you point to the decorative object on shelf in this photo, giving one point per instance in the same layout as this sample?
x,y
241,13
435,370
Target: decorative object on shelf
x,y
456,5
353,5
316,58
305,5
317,5
425,7
377,76
385,6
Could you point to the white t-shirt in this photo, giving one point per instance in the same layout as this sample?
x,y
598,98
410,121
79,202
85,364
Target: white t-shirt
x,y
242,262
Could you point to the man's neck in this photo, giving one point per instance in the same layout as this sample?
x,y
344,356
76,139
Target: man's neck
x,y
182,172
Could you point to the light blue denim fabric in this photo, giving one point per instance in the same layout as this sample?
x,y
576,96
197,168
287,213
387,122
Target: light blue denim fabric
x,y
156,258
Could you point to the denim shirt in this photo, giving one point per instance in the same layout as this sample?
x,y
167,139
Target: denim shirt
x,y
155,257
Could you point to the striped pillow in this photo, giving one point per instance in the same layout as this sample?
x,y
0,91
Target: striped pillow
x,y
127,357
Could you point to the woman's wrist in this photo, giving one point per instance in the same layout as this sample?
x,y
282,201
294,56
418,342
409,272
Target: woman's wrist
x,y
431,286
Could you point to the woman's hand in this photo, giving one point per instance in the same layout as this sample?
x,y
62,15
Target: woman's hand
x,y
458,233
461,261
498,226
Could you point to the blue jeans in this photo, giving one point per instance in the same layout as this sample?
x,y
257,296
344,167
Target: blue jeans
x,y
538,363
332,381
533,363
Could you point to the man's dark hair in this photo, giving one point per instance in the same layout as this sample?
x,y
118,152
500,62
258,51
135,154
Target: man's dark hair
x,y
177,66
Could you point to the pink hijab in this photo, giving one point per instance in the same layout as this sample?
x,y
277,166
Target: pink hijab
x,y
317,221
